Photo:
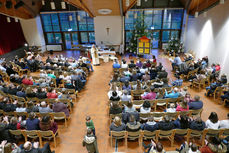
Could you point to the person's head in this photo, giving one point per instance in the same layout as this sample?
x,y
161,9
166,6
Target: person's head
x,y
20,105
126,83
13,120
146,104
88,119
193,147
176,89
152,88
213,117
32,115
171,105
132,118
129,104
114,94
187,95
89,131
117,121
125,92
46,119
43,104
159,147
28,146
154,57
197,98
8,148
184,104
132,61
30,104
198,120
166,118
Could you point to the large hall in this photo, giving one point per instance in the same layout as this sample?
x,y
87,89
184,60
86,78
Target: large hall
x,y
114,76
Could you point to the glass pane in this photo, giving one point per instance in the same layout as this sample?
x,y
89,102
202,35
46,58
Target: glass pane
x,y
55,22
148,19
167,19
91,37
165,36
75,39
50,38
84,38
129,20
128,36
64,20
90,27
58,38
73,23
177,19
174,34
46,22
68,42
157,19
82,20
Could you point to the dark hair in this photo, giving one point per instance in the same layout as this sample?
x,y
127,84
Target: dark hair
x,y
228,115
152,88
114,94
184,122
129,104
132,118
32,115
159,147
194,147
146,104
197,98
46,119
213,117
88,118
215,140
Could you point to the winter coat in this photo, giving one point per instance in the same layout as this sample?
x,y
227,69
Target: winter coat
x,y
90,143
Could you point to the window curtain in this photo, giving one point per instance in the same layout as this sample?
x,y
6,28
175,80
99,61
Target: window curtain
x,y
11,35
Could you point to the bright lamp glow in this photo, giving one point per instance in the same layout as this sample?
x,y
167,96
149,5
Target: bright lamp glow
x,y
8,19
70,17
70,29
16,19
127,3
221,1
196,14
63,5
26,44
138,2
53,7
43,2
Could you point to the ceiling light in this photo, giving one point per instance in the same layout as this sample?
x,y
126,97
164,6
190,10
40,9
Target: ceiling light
x,y
104,11
138,2
43,2
26,44
127,3
70,17
63,5
16,19
8,19
70,29
196,14
221,1
205,14
78,17
145,0
53,7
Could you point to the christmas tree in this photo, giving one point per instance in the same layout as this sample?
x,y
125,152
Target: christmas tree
x,y
175,46
140,29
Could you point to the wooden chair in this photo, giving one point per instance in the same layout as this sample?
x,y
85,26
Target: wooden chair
x,y
34,99
158,116
197,112
182,133
60,116
224,133
8,113
118,135
217,92
48,135
167,134
17,114
33,134
172,115
160,103
150,135
16,133
136,94
194,134
134,136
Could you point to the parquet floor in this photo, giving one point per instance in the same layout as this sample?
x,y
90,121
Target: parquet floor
x,y
93,101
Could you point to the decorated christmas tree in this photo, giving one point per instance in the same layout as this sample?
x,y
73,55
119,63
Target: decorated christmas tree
x,y
140,29
175,46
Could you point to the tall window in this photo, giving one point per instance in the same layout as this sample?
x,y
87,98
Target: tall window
x,y
164,24
72,27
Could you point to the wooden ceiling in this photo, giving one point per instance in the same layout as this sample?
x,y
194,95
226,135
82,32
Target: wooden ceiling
x,y
92,6
26,11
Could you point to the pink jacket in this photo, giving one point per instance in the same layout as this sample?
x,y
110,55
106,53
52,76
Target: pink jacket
x,y
179,108
150,96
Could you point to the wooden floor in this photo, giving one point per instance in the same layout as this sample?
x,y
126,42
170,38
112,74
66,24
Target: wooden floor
x,y
93,101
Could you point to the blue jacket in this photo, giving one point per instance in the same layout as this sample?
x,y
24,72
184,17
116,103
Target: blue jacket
x,y
116,65
172,95
195,105
32,124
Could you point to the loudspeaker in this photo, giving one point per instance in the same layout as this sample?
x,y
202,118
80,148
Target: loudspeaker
x,y
19,4
9,4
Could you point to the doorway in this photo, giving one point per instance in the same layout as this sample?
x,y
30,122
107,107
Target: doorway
x,y
70,40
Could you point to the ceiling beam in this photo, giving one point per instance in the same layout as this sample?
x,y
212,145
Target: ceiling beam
x,y
202,6
130,6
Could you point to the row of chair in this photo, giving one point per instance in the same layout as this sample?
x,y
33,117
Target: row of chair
x,y
34,134
156,135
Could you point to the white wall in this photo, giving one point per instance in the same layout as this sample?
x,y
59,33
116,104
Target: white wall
x,y
33,32
209,36
114,23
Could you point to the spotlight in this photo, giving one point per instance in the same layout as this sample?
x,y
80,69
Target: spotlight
x,y
16,19
53,7
127,3
19,4
9,4
63,5
70,29
43,2
70,17
138,2
26,44
8,19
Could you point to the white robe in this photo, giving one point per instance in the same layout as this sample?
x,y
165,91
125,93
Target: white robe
x,y
95,56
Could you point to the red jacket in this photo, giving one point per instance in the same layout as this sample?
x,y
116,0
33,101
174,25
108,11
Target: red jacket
x,y
27,81
51,95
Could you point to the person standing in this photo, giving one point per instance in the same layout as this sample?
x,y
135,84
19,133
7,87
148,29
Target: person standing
x,y
90,142
94,55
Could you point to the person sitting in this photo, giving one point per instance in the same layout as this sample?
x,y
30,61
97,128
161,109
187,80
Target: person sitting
x,y
27,81
129,108
127,86
177,82
158,83
47,124
28,147
114,96
197,124
150,125
171,108
117,125
173,94
20,108
189,148
176,62
69,85
137,86
183,106
196,104
115,108
154,147
159,67
150,96
182,122
60,107
133,125
166,124
162,74
224,124
131,65
213,121
183,91
225,97
41,94
146,76
124,65
134,76
146,107
116,65
8,106
51,74
125,96
212,88
44,108
31,108
214,145
51,94
124,78
139,63
21,92
32,123
143,69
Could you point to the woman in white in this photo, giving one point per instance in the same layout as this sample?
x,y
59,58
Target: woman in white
x,y
124,64
94,55
213,121
66,76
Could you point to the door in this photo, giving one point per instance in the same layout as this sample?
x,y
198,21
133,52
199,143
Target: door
x,y
71,40
156,39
